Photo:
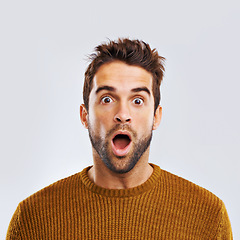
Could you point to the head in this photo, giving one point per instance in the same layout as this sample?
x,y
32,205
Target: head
x,y
121,102
131,52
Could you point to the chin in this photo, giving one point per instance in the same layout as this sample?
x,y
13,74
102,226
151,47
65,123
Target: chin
x,y
120,165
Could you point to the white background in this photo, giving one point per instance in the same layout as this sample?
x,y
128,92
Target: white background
x,y
43,47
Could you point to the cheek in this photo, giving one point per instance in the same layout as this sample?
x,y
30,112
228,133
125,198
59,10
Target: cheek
x,y
147,124
99,122
144,122
144,119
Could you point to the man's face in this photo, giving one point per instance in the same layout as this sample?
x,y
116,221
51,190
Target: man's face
x,y
121,117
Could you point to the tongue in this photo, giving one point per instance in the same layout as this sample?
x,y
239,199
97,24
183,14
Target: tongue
x,y
121,143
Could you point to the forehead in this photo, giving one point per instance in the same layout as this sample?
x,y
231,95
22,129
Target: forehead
x,y
122,76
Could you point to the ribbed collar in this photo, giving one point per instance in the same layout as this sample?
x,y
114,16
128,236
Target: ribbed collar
x,y
130,192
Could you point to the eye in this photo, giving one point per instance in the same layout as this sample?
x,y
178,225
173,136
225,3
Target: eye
x,y
106,100
138,101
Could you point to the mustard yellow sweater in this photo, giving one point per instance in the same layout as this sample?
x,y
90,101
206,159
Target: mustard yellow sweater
x,y
164,207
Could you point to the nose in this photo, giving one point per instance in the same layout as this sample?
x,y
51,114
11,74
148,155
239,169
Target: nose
x,y
122,115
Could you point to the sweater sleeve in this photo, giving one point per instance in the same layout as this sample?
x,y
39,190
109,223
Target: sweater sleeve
x,y
13,232
224,228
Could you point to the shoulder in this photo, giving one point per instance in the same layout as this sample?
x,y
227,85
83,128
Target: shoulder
x,y
42,204
186,189
190,196
197,202
69,186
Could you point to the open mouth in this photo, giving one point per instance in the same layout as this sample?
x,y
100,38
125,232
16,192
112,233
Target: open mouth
x,y
121,141
121,144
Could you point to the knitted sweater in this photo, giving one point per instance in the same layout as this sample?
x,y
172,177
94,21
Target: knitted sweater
x,y
164,207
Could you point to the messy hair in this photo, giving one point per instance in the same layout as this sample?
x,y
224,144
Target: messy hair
x,y
131,52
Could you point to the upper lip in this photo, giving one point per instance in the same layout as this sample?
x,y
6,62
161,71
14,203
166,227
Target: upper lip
x,y
123,132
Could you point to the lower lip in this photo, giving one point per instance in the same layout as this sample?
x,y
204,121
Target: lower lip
x,y
121,152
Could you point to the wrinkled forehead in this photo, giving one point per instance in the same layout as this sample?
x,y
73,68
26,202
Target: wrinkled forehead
x,y
122,76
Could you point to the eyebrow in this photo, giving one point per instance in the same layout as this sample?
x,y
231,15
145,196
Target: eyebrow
x,y
112,89
140,89
108,88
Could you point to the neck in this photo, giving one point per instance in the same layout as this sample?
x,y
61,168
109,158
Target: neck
x,y
105,178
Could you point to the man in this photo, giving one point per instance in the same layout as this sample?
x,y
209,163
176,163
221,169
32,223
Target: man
x,y
121,196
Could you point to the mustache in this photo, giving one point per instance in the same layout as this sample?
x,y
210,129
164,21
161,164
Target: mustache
x,y
121,127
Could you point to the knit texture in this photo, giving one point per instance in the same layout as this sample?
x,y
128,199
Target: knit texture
x,y
164,207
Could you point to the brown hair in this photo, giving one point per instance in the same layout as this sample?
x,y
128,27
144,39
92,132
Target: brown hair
x,y
131,52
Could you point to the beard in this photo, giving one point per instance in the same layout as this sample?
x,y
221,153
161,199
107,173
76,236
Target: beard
x,y
119,164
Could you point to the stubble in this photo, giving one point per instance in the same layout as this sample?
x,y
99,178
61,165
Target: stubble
x,y
119,164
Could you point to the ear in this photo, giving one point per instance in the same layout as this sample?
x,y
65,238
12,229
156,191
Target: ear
x,y
157,117
84,116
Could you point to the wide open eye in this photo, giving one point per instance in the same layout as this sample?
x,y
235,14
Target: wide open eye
x,y
106,100
138,101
